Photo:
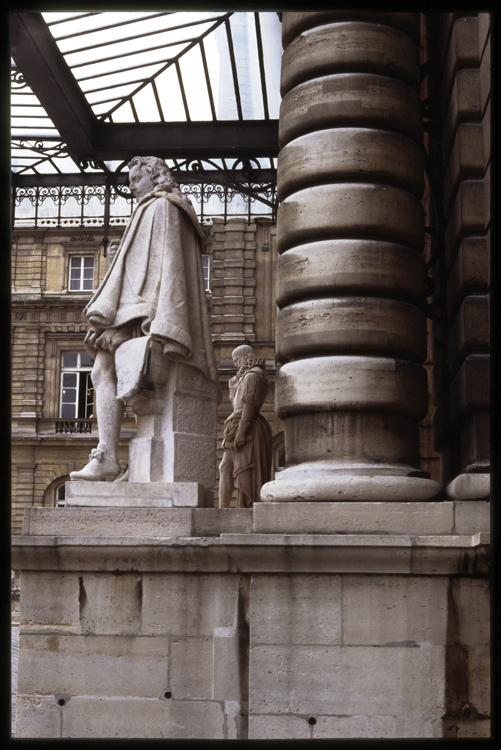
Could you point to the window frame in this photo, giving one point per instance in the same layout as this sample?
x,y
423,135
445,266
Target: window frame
x,y
206,268
78,370
82,256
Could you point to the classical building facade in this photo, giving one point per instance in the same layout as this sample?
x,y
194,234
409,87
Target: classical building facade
x,y
353,600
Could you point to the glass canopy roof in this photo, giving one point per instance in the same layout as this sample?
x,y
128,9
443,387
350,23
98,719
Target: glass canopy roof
x,y
142,68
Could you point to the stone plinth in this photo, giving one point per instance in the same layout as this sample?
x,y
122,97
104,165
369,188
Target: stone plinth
x,y
282,621
135,494
176,427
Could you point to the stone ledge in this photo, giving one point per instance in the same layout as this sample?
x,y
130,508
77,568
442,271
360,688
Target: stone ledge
x,y
253,553
147,522
135,494
354,517
343,518
357,540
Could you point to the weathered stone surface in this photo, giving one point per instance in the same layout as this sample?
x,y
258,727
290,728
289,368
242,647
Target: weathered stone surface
x,y
333,680
470,272
236,718
479,679
295,609
169,605
214,521
230,657
432,674
469,331
368,443
143,719
191,672
470,487
301,486
380,327
294,23
218,602
475,443
471,624
464,103
361,267
360,517
350,99
110,604
467,159
249,553
470,388
348,153
472,516
350,46
114,665
50,599
469,215
463,49
135,494
116,521
268,727
433,561
37,717
394,610
351,383
191,451
473,728
357,727
366,210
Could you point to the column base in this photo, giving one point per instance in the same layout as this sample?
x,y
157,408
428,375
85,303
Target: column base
x,y
308,486
470,487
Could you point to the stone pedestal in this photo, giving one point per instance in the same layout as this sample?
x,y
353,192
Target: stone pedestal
x,y
351,327
285,621
136,495
176,426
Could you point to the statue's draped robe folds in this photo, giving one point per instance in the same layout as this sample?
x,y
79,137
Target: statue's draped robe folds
x,y
252,460
155,285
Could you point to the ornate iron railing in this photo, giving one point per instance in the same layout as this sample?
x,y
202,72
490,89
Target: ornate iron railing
x,y
39,206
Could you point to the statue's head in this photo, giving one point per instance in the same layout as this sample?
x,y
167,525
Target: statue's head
x,y
242,354
145,172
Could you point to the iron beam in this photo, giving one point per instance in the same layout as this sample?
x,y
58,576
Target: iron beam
x,y
205,176
44,68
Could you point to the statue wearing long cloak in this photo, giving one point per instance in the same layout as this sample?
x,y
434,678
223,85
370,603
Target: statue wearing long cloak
x,y
155,286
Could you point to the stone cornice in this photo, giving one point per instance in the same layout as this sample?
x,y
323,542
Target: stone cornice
x,y
258,553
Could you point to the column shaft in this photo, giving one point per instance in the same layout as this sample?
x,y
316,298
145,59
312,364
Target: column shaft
x,y
351,327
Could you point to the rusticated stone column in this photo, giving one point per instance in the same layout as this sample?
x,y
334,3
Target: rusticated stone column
x,y
351,329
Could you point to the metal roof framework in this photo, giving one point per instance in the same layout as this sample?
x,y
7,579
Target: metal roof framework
x,y
92,90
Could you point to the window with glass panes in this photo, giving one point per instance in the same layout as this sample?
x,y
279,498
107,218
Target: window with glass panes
x,y
205,266
60,496
77,391
81,273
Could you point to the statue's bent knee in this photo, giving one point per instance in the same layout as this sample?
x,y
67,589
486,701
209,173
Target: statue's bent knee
x,y
104,367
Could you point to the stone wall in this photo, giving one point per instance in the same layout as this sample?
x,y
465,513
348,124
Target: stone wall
x,y
460,90
218,624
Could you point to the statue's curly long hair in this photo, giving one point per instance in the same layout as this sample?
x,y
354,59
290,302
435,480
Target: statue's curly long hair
x,y
158,169
161,176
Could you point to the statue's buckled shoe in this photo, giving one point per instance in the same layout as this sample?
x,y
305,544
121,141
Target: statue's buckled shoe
x,y
99,468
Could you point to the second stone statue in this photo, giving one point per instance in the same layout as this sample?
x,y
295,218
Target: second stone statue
x,y
247,439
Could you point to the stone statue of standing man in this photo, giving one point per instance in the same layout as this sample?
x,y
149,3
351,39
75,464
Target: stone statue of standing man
x,y
247,439
150,336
